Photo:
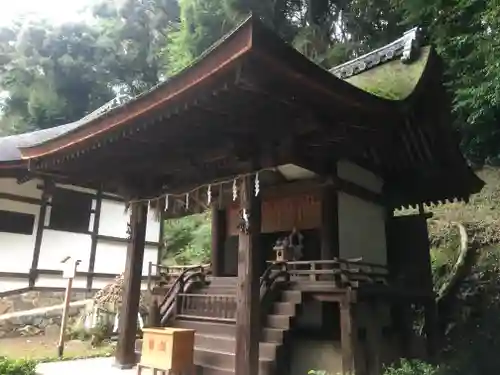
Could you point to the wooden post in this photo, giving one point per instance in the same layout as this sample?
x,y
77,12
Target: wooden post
x,y
95,233
218,240
125,351
401,313
348,335
42,213
431,328
247,294
329,222
69,274
374,338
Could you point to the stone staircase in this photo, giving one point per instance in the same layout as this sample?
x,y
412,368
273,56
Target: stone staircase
x,y
215,341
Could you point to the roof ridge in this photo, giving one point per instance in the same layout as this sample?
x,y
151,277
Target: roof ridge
x,y
405,47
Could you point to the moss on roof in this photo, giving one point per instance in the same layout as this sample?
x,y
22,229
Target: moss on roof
x,y
393,80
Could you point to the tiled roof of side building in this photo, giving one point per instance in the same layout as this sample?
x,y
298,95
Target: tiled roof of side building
x,y
9,146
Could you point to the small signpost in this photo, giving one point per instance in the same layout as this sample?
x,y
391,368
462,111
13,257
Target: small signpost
x,y
69,272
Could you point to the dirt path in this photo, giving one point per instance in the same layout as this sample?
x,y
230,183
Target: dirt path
x,y
46,347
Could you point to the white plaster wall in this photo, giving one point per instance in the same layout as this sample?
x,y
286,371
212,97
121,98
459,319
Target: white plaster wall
x,y
51,281
8,284
111,256
57,245
114,221
16,250
152,228
360,176
361,229
27,189
99,283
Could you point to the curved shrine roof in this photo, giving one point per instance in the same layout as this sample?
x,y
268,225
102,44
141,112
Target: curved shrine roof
x,y
363,73
380,85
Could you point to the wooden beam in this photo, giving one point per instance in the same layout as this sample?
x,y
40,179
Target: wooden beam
x,y
219,229
39,233
15,275
358,191
123,240
125,352
20,198
247,293
95,232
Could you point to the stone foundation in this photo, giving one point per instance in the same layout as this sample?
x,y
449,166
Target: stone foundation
x,y
35,299
37,312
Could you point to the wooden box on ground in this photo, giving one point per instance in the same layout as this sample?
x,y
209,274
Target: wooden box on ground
x,y
168,349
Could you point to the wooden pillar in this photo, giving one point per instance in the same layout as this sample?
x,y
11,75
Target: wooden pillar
x,y
247,294
374,338
219,229
431,328
95,233
348,335
125,351
402,322
161,242
329,222
42,213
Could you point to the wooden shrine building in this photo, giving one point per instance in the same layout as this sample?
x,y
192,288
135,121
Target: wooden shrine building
x,y
276,145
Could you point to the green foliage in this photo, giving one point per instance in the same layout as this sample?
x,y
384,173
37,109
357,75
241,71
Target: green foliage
x,y
201,24
50,74
467,35
412,367
471,340
188,239
317,372
17,366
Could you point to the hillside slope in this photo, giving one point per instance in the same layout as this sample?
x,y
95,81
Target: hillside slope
x,y
471,311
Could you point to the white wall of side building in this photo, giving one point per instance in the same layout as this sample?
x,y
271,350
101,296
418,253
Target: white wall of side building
x,y
361,223
16,250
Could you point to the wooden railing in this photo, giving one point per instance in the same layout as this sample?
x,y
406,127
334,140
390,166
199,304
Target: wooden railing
x,y
343,272
161,274
182,284
274,272
219,307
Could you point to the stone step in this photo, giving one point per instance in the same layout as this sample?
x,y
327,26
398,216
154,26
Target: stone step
x,y
223,360
292,296
278,321
270,335
228,344
284,308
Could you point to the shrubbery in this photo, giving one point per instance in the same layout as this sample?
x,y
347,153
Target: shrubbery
x,y
404,367
17,367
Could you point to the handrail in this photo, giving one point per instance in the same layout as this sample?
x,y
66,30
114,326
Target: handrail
x,y
341,270
166,307
267,273
269,278
175,270
356,261
178,281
